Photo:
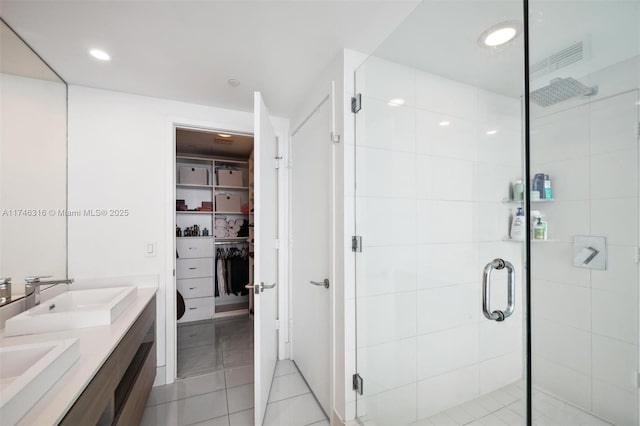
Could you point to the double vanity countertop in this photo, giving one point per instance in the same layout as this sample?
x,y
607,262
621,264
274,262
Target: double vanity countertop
x,y
95,343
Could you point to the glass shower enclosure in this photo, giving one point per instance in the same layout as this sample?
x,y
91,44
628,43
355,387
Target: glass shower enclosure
x,y
464,179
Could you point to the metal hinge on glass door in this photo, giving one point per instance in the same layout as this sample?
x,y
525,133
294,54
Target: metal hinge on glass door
x,y
356,243
358,384
356,103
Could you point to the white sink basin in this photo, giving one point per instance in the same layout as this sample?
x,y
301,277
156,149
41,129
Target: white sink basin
x,y
73,309
28,371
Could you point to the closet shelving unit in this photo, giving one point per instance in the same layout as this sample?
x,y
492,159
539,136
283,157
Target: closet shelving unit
x,y
195,267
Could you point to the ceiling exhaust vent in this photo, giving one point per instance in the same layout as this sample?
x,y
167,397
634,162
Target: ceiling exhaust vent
x,y
561,59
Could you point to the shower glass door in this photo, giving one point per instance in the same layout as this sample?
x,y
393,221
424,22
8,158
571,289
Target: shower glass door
x,y
438,148
585,75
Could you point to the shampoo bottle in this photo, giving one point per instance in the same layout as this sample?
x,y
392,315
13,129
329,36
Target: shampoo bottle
x,y
517,225
538,229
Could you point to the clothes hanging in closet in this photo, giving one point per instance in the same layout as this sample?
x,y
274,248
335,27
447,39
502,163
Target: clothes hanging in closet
x,y
232,271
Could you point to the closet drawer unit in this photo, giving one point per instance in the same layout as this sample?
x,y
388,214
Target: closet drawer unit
x,y
194,268
188,248
201,308
195,287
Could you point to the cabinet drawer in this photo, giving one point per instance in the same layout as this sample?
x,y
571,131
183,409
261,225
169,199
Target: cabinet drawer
x,y
189,248
194,268
195,287
198,309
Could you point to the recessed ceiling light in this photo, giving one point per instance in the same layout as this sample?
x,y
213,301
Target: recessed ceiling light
x,y
233,82
499,34
100,54
491,132
444,123
224,135
396,102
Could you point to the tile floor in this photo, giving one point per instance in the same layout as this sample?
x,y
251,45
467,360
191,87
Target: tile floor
x,y
214,345
215,364
225,398
506,406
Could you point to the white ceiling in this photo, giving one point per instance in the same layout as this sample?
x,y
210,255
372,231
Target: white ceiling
x,y
187,50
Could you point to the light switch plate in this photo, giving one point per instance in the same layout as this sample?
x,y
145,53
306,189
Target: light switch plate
x,y
599,261
149,249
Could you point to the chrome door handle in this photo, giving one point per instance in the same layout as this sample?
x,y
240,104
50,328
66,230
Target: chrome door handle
x,y
498,315
324,283
264,286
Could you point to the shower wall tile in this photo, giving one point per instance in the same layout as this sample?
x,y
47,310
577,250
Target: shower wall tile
x,y
494,183
383,173
615,174
457,140
501,147
386,222
386,318
389,365
447,390
384,270
449,264
621,275
386,127
444,222
392,407
566,219
613,124
445,96
498,339
456,348
447,307
616,219
616,315
562,136
554,262
615,404
445,179
621,373
565,304
565,346
569,178
386,80
491,220
563,382
500,371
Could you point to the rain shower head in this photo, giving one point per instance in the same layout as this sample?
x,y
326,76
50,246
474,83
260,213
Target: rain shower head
x,y
561,89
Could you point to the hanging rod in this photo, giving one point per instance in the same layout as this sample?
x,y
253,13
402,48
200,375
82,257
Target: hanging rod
x,y
315,110
230,242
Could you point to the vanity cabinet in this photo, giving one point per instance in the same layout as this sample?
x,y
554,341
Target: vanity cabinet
x,y
118,393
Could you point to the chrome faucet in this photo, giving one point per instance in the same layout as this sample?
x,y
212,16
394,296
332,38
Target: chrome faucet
x,y
5,291
33,287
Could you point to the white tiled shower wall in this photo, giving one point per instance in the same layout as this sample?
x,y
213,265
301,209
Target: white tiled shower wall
x,y
585,322
429,207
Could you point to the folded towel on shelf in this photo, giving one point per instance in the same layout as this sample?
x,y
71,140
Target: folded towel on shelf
x,y
220,232
221,223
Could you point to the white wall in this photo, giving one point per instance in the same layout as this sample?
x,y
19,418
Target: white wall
x,y
429,208
121,157
585,322
33,166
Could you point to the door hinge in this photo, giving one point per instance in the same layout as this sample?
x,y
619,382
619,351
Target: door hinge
x,y
277,244
278,159
639,129
335,138
637,255
356,243
277,324
358,384
356,103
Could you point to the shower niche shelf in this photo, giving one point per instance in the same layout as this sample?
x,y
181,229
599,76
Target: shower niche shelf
x,y
509,240
544,200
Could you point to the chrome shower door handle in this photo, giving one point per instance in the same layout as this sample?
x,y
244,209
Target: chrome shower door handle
x,y
498,315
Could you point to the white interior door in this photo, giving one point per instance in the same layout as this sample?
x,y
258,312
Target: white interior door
x,y
266,256
311,166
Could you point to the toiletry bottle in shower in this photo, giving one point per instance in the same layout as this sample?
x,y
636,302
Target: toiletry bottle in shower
x,y
548,194
538,229
538,184
517,225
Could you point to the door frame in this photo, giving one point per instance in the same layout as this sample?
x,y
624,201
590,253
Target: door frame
x,y
168,373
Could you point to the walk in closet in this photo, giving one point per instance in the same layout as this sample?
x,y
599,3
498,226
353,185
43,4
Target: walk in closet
x,y
214,250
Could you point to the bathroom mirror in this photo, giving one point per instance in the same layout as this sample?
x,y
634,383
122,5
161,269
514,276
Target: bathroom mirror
x,y
33,164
